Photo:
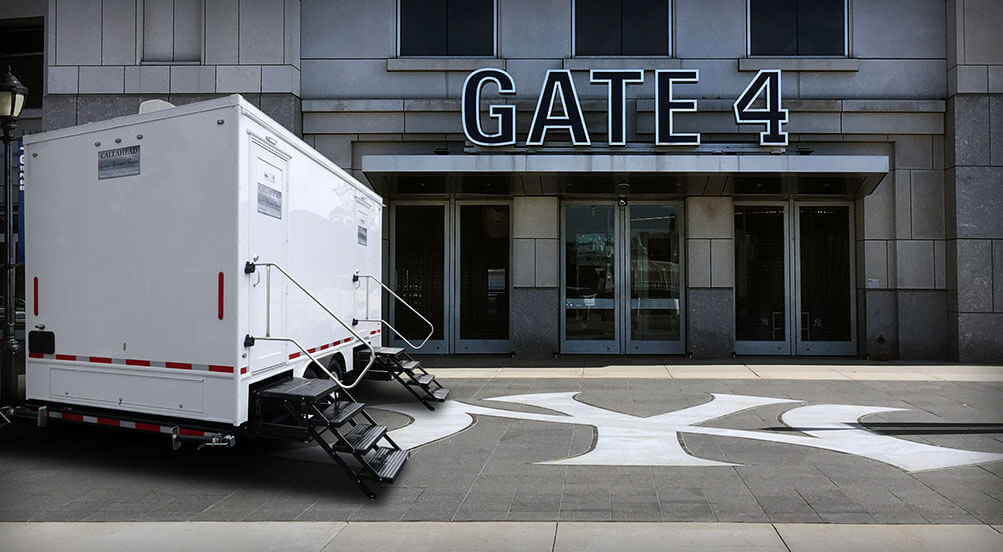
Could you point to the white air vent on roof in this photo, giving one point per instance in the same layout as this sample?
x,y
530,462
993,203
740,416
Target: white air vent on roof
x,y
149,106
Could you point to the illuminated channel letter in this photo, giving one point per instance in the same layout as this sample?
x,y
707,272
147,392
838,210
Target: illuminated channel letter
x,y
616,106
558,82
504,114
666,106
773,115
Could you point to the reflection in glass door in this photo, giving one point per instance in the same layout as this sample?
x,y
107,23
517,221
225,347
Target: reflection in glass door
x,y
654,279
451,262
590,314
807,270
621,291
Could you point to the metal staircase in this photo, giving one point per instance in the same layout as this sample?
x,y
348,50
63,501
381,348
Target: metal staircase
x,y
393,363
310,410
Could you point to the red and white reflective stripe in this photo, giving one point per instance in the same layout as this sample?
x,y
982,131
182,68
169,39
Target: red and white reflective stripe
x,y
217,368
113,422
35,284
298,354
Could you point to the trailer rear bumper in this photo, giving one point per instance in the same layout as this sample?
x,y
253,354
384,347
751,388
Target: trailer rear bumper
x,y
180,431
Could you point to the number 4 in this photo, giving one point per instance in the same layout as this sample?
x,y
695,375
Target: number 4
x,y
773,116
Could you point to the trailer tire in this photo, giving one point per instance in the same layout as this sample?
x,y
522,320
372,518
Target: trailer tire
x,y
337,367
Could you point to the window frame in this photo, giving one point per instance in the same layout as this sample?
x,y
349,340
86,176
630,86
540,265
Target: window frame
x,y
574,36
846,36
494,37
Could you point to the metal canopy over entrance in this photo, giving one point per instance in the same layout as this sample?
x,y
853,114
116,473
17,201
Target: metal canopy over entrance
x,y
846,176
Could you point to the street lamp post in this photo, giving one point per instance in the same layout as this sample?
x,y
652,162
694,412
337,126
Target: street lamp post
x,y
12,94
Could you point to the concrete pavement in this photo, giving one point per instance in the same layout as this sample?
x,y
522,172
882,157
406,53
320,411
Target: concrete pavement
x,y
756,476
494,536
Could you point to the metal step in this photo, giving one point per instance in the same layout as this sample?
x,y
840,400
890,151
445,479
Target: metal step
x,y
387,462
440,394
305,389
392,352
381,375
422,379
410,365
342,411
361,438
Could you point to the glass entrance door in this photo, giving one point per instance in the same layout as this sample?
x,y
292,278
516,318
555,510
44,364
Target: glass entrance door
x,y
794,257
621,289
451,262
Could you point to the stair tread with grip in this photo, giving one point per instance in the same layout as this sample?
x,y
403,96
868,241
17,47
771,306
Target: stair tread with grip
x,y
394,352
410,365
361,438
422,379
387,462
342,411
306,389
440,394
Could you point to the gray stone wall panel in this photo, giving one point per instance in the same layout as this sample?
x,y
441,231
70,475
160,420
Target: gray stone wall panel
x,y
918,31
349,29
534,322
221,32
709,28
979,337
118,32
711,322
979,202
535,28
922,319
77,39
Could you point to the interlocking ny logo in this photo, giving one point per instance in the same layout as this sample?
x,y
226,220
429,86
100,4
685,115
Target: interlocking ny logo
x,y
623,439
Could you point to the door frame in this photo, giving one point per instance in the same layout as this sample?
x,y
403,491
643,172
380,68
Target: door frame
x,y
793,345
622,342
450,342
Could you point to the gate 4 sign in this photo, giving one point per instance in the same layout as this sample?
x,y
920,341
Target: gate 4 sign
x,y
625,440
558,85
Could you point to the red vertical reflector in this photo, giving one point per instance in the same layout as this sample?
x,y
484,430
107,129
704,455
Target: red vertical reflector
x,y
219,311
36,295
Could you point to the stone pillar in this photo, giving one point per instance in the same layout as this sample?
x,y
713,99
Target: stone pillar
x,y
710,277
536,250
974,176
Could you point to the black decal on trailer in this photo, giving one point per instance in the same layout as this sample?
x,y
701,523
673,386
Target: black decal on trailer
x,y
558,81
773,115
666,106
504,114
616,107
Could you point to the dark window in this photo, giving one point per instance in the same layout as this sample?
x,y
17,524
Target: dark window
x,y
796,27
447,27
21,47
622,27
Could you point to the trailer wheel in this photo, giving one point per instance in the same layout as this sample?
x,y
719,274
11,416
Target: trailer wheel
x,y
337,367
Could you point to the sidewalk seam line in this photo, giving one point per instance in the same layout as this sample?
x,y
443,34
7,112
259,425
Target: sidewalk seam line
x,y
781,537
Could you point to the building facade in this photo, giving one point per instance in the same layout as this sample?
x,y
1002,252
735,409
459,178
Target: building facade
x,y
676,177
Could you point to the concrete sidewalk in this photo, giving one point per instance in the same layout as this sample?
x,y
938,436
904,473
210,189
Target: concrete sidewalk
x,y
494,536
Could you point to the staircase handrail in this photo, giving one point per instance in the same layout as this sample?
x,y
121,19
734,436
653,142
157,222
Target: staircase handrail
x,y
431,327
249,268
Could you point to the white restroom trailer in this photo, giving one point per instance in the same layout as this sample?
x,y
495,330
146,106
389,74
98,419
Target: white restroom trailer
x,y
139,231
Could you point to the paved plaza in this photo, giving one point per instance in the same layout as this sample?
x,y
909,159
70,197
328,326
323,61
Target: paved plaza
x,y
783,448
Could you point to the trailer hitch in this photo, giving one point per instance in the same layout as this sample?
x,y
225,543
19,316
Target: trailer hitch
x,y
219,441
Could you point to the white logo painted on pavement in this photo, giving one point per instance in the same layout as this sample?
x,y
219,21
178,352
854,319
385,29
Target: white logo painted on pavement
x,y
625,440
